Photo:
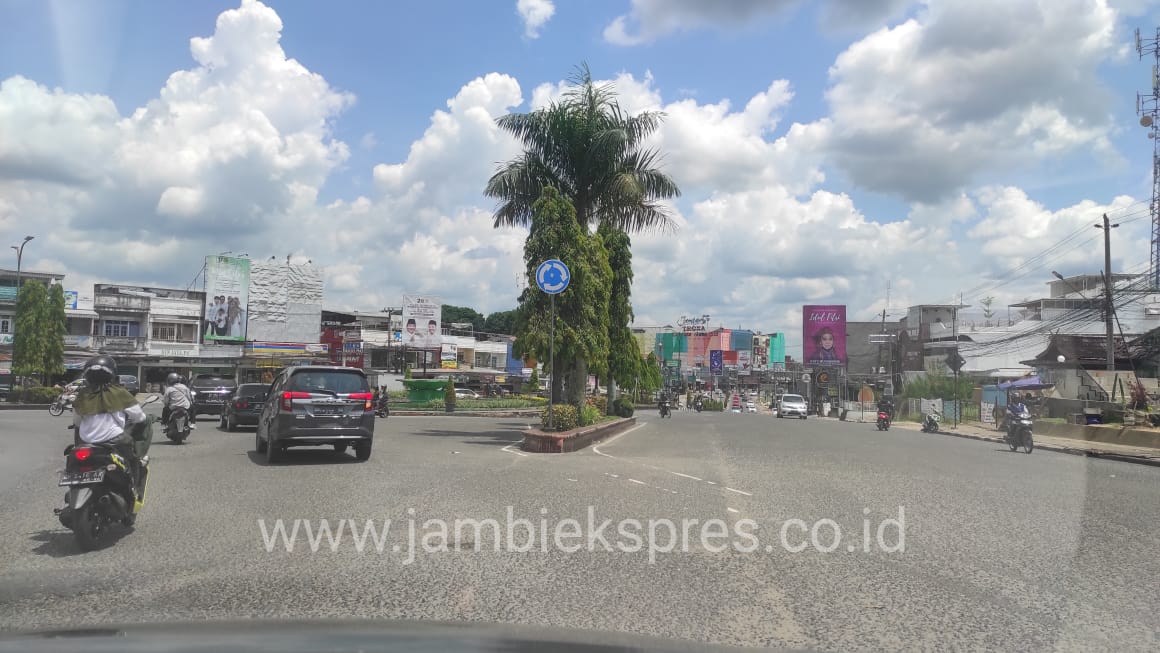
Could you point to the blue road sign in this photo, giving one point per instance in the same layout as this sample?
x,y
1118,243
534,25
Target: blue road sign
x,y
553,276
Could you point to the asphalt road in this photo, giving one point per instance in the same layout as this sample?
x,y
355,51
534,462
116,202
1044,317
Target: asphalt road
x,y
1001,551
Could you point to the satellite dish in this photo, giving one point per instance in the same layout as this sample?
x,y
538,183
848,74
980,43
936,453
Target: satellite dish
x,y
1145,121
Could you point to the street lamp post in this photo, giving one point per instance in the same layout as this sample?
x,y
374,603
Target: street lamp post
x,y
19,256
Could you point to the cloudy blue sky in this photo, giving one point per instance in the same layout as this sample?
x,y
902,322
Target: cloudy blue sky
x,y
825,149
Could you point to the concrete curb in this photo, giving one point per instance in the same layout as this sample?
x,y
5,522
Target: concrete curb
x,y
537,441
1151,462
7,406
516,412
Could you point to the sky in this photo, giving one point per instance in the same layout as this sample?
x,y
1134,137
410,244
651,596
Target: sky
x,y
831,152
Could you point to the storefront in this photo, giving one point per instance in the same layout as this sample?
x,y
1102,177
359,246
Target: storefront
x,y
261,361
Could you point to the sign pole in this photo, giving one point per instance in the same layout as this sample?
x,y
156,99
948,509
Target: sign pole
x,y
552,277
552,367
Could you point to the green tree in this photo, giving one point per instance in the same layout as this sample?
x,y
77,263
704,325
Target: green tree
x,y
586,146
987,312
501,322
624,359
462,314
581,310
55,329
650,379
30,347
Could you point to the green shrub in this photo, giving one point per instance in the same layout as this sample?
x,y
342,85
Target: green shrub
x,y
590,414
600,402
566,417
713,404
623,407
34,395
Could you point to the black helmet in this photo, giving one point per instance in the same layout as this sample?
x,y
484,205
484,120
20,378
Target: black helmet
x,y
100,370
173,379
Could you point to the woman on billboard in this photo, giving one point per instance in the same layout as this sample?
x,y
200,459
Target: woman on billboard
x,y
824,351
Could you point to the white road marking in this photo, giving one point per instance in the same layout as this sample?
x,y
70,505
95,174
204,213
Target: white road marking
x,y
573,480
739,492
510,450
596,449
633,480
686,476
734,510
711,482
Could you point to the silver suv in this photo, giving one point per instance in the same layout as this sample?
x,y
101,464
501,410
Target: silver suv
x,y
316,405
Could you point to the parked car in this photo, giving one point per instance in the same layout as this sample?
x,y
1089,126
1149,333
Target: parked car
x,y
244,406
129,382
466,393
210,393
792,406
317,405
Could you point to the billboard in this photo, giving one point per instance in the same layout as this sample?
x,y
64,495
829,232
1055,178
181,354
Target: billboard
x,y
744,361
716,362
449,357
421,327
824,335
227,295
70,299
760,353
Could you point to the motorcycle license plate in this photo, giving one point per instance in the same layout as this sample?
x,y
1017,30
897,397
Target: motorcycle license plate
x,y
82,478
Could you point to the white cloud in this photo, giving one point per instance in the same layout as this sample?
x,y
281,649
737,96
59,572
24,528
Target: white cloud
x,y
921,110
232,154
535,14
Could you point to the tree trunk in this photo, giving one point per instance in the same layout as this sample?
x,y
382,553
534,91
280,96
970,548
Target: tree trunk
x,y
557,384
612,394
577,383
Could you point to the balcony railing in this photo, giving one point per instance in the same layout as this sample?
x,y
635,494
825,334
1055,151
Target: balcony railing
x,y
121,303
124,344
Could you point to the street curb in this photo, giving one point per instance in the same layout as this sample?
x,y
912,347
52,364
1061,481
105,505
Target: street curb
x,y
537,441
519,412
24,406
1149,462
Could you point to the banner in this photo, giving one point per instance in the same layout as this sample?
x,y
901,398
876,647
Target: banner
x,y
824,335
70,299
716,362
449,357
421,327
227,294
744,362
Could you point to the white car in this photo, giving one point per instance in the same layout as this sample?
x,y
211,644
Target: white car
x,y
465,393
750,407
792,406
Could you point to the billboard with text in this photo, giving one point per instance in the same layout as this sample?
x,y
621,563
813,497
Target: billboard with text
x,y
421,322
824,335
227,296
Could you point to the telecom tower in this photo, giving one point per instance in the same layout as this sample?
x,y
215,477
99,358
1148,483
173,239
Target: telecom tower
x,y
1148,106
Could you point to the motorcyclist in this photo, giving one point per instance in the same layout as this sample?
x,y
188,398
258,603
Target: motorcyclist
x,y
106,413
886,405
176,396
1014,410
663,403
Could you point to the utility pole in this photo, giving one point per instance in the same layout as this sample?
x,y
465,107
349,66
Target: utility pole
x,y
1148,107
1109,307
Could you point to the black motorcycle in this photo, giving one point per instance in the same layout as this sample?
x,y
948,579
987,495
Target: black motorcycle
x,y
382,409
177,428
1019,427
104,488
665,412
697,406
930,423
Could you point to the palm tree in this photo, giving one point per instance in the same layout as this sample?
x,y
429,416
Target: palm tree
x,y
589,149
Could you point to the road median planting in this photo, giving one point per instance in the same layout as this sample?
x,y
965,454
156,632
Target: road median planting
x,y
540,441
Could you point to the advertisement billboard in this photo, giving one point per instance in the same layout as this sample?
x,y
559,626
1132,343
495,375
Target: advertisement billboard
x,y
824,335
421,322
449,357
70,299
716,362
227,296
744,361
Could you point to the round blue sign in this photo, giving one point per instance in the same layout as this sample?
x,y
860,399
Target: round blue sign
x,y
553,276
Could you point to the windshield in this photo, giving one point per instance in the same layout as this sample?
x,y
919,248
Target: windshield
x,y
699,319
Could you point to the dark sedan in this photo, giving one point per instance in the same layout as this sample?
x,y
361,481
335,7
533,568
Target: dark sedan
x,y
243,406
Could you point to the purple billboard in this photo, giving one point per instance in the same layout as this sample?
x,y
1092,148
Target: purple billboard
x,y
824,335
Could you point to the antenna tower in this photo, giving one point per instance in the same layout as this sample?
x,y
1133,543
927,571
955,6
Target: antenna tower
x,y
1148,107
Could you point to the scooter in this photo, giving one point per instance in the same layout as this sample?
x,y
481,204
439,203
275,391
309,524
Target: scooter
x,y
883,421
382,409
1019,431
177,429
63,402
104,489
665,412
931,423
